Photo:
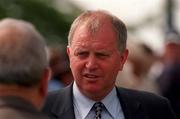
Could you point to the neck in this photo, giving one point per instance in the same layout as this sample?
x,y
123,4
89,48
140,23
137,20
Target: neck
x,y
98,96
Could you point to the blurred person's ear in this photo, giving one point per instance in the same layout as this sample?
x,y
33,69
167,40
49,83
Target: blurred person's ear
x,y
44,82
123,58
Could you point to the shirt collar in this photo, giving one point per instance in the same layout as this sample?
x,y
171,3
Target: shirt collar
x,y
107,101
85,104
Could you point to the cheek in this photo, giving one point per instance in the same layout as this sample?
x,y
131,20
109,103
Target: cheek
x,y
118,64
73,62
112,72
75,65
114,65
112,69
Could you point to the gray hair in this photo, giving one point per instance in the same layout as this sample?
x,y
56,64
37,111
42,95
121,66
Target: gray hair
x,y
94,19
23,55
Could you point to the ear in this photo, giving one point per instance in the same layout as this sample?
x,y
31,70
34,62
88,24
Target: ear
x,y
44,82
68,50
123,59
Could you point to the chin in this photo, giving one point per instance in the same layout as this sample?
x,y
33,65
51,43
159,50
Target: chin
x,y
93,89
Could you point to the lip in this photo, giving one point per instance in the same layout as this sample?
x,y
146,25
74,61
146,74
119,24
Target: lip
x,y
91,77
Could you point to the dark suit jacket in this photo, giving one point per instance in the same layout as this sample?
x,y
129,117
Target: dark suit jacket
x,y
18,108
135,105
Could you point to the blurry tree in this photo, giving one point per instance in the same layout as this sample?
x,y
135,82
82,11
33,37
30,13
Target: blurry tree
x,y
52,23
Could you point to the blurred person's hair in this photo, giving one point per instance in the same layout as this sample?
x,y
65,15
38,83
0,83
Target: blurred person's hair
x,y
58,60
23,55
94,20
172,37
141,56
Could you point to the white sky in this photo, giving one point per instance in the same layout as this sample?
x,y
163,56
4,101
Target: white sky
x,y
134,12
127,10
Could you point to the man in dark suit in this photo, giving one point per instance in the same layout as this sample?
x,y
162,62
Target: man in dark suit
x,y
24,71
97,52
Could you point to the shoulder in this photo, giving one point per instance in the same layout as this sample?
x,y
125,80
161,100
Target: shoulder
x,y
20,113
155,105
145,98
140,95
53,95
57,98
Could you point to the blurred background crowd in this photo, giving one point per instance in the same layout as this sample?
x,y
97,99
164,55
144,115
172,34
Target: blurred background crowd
x,y
154,41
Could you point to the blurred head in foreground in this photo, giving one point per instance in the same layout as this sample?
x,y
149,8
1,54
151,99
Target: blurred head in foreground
x,y
24,68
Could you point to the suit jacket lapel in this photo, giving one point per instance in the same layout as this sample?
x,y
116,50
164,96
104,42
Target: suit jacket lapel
x,y
63,107
132,108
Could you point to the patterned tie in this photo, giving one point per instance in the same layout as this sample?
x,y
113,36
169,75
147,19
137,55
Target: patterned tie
x,y
98,106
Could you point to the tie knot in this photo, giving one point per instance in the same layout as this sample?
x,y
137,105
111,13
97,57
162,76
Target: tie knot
x,y
98,109
98,105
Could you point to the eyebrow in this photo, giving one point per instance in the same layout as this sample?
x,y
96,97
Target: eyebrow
x,y
79,49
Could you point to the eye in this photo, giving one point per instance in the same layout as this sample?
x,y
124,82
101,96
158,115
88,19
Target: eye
x,y
102,55
82,54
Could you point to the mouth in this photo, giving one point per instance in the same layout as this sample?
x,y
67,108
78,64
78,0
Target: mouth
x,y
91,77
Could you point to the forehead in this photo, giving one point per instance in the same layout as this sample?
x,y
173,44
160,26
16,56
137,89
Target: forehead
x,y
104,36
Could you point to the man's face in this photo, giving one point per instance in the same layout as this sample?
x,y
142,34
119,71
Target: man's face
x,y
95,60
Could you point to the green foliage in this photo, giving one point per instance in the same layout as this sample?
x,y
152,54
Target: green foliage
x,y
52,24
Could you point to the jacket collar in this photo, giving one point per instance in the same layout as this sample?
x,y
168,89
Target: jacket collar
x,y
132,108
63,107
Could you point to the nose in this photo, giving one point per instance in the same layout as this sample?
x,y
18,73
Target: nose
x,y
91,63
